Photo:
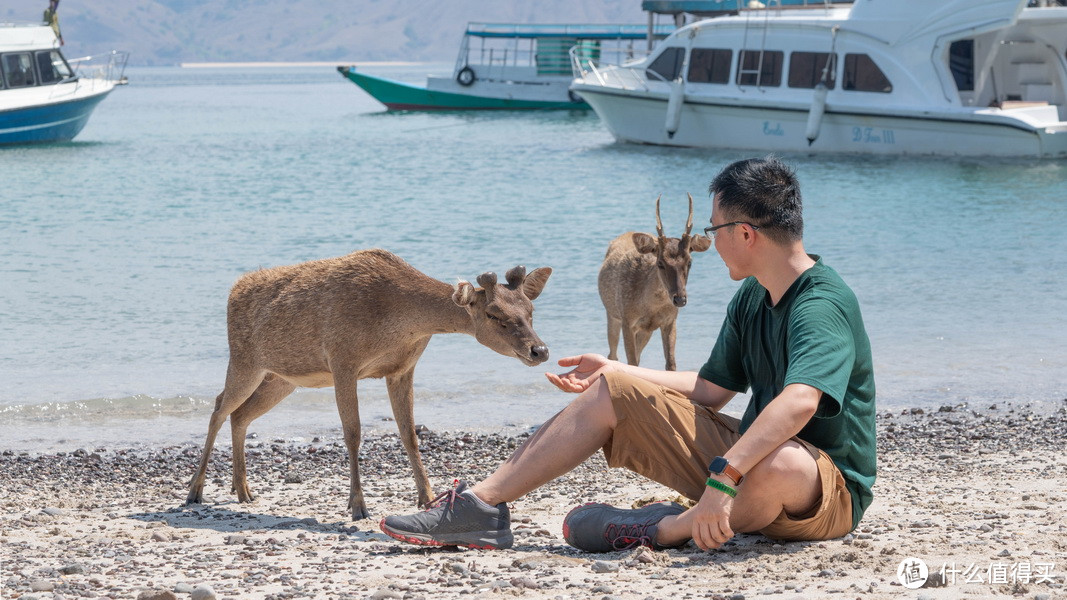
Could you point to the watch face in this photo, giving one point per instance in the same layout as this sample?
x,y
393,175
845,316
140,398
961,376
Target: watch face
x,y
718,465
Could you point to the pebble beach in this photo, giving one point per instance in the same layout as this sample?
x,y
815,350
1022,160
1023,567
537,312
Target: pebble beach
x,y
977,494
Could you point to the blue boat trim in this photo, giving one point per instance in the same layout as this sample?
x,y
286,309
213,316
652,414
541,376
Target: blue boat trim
x,y
57,122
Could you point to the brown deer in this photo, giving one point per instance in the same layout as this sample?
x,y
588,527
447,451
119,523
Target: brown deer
x,y
335,321
642,285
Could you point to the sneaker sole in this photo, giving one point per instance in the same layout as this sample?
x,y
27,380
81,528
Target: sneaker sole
x,y
484,540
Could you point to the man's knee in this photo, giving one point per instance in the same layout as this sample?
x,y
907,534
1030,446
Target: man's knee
x,y
791,464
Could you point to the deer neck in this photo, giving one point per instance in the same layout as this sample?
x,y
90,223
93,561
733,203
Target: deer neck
x,y
437,313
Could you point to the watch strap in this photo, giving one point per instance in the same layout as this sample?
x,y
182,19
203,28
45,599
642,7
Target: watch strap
x,y
720,466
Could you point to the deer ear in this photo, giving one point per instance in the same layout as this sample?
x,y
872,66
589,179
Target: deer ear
x,y
644,243
699,243
463,295
535,282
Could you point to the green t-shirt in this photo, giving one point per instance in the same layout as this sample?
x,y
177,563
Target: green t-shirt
x,y
814,336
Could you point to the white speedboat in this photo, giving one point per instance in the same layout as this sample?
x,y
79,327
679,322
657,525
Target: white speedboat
x,y
43,96
956,77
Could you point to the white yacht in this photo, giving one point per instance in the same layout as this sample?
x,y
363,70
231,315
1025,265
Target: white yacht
x,y
44,97
955,77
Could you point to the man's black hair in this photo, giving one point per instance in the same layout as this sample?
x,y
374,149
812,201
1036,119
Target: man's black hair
x,y
764,192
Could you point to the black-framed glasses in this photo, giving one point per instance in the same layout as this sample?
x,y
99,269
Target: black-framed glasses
x,y
710,231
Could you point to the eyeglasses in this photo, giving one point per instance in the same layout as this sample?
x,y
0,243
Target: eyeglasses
x,y
710,231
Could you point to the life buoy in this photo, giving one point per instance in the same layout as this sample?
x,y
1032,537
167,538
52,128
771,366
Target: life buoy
x,y
465,77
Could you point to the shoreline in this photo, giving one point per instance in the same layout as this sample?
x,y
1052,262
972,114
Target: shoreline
x,y
955,487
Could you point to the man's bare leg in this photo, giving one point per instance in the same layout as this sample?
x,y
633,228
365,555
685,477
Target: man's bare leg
x,y
788,478
561,444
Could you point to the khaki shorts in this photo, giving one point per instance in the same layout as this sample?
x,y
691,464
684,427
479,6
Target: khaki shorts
x,y
662,435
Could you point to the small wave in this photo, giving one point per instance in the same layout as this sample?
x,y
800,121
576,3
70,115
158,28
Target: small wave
x,y
139,406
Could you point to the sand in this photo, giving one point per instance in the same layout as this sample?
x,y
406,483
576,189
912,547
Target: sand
x,y
982,491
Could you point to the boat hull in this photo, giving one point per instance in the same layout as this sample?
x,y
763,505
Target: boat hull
x,y
49,122
396,95
642,118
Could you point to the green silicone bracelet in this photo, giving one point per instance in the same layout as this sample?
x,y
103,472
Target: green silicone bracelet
x,y
722,487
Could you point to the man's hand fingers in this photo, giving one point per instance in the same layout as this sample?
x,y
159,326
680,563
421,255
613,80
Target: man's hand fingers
x,y
569,361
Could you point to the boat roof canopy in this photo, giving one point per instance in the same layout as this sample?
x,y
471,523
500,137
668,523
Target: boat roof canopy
x,y
718,7
584,31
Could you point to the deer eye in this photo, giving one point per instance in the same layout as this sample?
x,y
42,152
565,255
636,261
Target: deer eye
x,y
492,317
661,264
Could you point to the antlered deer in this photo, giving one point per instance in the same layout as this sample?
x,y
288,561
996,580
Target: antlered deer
x,y
642,285
335,321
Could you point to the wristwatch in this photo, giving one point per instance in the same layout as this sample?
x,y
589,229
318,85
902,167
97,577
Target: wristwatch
x,y
721,466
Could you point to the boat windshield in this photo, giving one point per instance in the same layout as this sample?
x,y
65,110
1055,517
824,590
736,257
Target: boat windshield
x,y
52,66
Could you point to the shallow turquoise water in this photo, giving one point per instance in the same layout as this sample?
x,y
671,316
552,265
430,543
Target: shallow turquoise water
x,y
117,251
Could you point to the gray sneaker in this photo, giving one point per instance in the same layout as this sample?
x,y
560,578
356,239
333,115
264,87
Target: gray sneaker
x,y
455,518
597,527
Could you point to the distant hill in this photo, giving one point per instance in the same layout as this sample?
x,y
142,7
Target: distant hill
x,y
170,32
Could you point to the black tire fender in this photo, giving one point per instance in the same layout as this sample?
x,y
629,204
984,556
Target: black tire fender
x,y
465,76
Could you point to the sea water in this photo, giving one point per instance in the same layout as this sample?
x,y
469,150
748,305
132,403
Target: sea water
x,y
117,252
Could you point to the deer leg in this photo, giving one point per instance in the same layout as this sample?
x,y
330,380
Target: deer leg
x,y
614,327
629,343
348,408
641,337
402,395
669,333
273,390
240,384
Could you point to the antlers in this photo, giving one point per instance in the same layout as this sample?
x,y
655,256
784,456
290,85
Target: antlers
x,y
688,223
515,278
659,224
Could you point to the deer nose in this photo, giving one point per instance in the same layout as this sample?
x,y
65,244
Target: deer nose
x,y
679,301
539,353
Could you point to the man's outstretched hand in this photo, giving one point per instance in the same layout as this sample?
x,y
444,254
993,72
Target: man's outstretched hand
x,y
587,368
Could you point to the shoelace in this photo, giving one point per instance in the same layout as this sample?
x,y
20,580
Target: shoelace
x,y
624,537
450,494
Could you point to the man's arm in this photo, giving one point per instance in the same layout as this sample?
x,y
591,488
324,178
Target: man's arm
x,y
782,419
589,367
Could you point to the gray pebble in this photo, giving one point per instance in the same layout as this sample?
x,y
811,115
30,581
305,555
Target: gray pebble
x,y
156,595
72,570
40,585
603,589
202,592
183,588
605,566
384,593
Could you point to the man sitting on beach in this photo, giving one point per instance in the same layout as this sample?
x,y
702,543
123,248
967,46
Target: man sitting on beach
x,y
799,464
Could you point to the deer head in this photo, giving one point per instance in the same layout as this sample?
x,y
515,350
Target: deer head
x,y
502,314
673,255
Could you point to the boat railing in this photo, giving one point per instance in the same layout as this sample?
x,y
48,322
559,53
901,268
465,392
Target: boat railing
x,y
545,56
101,69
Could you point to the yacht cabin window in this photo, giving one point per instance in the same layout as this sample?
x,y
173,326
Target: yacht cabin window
x,y
710,65
806,68
18,69
52,67
961,63
761,68
862,75
667,65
